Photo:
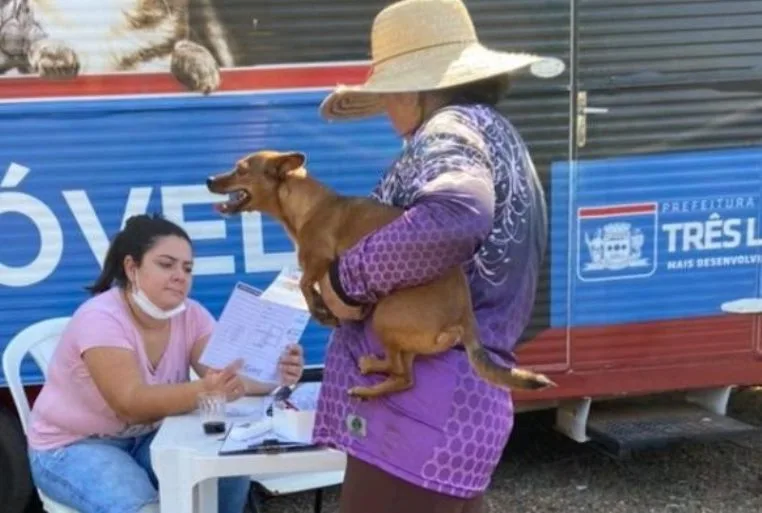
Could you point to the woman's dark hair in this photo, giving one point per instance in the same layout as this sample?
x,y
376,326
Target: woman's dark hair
x,y
139,235
488,91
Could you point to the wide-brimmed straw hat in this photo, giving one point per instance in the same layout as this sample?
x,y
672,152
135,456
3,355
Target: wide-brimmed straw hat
x,y
422,45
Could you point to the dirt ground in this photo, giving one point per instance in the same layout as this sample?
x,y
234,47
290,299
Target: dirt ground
x,y
545,472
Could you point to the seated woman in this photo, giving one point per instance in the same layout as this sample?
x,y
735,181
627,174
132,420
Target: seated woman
x,y
121,366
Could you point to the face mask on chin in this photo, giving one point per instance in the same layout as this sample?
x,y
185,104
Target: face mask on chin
x,y
150,309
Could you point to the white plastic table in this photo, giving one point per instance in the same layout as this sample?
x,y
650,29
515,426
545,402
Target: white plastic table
x,y
187,465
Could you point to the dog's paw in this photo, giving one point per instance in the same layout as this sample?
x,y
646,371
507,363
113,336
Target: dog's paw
x,y
53,60
195,67
370,364
358,393
13,39
366,364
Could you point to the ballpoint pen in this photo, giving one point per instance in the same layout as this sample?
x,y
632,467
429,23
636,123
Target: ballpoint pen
x,y
281,394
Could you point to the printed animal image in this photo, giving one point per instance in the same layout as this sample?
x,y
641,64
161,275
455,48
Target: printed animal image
x,y
422,320
58,39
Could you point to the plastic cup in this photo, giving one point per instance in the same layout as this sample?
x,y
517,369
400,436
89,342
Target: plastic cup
x,y
212,410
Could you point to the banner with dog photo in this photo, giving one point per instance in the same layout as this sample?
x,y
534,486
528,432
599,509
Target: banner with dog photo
x,y
190,39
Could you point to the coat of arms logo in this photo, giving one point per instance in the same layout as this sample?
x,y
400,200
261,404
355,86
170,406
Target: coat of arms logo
x,y
615,246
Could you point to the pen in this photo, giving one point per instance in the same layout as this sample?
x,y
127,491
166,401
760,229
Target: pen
x,y
281,394
281,447
290,405
284,392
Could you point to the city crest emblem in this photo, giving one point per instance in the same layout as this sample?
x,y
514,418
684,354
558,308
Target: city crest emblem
x,y
616,241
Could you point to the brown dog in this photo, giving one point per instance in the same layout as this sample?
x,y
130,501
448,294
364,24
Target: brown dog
x,y
422,320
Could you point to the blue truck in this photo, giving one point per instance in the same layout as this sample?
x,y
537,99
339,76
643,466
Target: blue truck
x,y
649,145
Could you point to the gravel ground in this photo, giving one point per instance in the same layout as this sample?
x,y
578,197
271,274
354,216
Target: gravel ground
x,y
545,472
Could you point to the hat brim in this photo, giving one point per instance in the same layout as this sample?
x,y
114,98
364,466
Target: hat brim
x,y
428,69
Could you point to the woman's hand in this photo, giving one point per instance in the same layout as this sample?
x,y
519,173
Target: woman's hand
x,y
291,364
338,307
225,381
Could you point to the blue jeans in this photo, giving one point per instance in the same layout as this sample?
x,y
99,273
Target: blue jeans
x,y
113,475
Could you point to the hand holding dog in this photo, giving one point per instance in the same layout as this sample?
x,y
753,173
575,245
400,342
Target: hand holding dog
x,y
334,303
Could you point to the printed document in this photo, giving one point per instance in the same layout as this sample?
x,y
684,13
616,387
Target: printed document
x,y
255,329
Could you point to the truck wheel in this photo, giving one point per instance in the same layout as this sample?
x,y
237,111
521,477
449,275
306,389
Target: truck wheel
x,y
16,485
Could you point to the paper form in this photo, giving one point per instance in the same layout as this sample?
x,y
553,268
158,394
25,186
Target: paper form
x,y
255,329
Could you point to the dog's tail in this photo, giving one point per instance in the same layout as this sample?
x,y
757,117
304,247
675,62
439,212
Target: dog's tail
x,y
494,373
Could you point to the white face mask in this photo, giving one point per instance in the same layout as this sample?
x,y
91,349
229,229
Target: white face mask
x,y
150,309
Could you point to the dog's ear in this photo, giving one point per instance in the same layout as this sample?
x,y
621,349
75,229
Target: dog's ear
x,y
284,164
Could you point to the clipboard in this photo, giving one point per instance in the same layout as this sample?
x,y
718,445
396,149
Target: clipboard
x,y
266,443
269,446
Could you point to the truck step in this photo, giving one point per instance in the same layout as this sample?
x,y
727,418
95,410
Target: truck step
x,y
621,429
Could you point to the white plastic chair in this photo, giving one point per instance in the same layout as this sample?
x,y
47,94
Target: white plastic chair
x,y
40,341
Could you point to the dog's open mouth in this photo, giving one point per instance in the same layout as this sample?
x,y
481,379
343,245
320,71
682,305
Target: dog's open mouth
x,y
237,200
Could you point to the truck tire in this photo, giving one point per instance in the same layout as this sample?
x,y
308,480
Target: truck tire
x,y
16,484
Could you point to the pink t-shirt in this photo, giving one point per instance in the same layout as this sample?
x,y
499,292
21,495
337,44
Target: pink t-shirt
x,y
70,407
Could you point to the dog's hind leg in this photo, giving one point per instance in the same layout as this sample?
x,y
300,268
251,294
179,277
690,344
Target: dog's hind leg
x,y
399,380
370,364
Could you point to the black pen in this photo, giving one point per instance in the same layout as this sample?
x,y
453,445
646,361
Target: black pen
x,y
281,393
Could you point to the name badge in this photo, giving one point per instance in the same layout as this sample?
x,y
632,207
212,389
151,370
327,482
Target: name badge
x,y
356,425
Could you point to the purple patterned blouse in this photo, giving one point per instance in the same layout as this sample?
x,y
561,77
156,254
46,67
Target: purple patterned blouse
x,y
472,196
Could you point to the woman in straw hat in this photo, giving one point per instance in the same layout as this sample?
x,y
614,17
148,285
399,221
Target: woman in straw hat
x,y
473,198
